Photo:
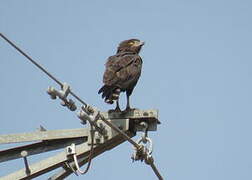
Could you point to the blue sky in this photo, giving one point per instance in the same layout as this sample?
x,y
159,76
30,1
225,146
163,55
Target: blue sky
x,y
196,71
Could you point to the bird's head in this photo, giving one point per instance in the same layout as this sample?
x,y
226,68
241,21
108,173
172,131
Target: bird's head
x,y
131,45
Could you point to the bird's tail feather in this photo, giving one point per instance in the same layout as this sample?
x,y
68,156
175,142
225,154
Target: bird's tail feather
x,y
110,93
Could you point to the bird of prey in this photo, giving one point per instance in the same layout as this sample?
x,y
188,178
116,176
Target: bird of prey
x,y
122,72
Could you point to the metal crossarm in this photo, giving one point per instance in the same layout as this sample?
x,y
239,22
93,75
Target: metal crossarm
x,y
60,159
37,148
50,140
43,135
56,139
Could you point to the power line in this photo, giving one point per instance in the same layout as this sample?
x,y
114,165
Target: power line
x,y
154,168
30,59
41,68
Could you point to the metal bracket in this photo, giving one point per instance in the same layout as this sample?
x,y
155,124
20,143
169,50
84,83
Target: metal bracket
x,y
70,150
108,132
136,117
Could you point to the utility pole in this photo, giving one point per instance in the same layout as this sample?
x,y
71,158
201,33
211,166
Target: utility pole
x,y
105,131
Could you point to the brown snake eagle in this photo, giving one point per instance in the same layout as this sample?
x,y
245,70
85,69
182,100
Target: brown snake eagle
x,y
122,72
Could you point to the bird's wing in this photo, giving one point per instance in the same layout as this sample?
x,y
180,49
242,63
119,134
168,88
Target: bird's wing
x,y
122,69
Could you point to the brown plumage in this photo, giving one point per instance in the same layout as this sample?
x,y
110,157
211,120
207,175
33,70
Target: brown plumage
x,y
122,72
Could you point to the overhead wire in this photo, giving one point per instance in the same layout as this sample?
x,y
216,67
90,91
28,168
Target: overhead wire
x,y
126,137
41,68
90,154
154,168
30,59
61,85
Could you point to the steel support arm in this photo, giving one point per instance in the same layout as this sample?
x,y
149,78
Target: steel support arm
x,y
50,140
60,159
43,135
128,123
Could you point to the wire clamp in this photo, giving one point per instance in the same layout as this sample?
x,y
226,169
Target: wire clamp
x,y
149,159
71,151
145,146
92,115
62,94
88,113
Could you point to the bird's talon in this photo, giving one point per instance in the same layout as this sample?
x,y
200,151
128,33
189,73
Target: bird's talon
x,y
117,110
129,110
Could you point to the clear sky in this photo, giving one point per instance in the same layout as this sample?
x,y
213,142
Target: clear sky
x,y
196,71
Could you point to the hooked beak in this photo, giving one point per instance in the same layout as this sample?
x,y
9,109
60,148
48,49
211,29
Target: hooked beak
x,y
141,43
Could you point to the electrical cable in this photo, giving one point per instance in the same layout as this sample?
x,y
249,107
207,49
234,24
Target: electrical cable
x,y
41,68
154,168
90,156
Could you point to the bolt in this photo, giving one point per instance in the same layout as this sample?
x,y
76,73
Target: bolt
x,y
24,154
146,114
